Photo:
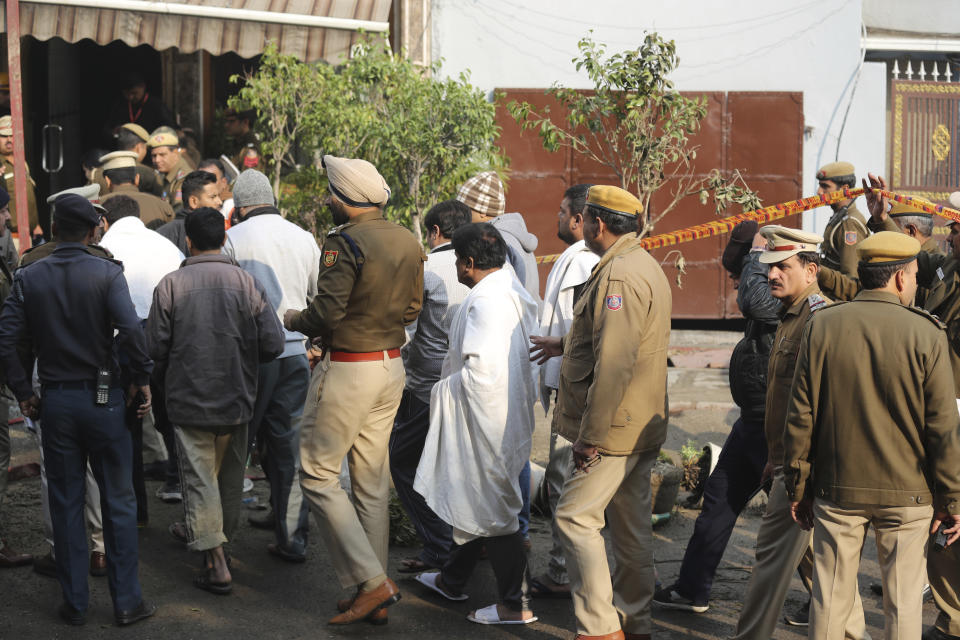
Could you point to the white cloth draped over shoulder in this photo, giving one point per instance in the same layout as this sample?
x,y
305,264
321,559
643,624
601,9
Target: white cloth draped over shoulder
x,y
481,412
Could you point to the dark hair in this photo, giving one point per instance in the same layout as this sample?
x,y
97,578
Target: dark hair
x,y
449,216
618,224
131,80
213,162
124,175
875,276
483,243
91,158
120,207
809,257
194,183
205,228
127,140
70,229
577,195
849,181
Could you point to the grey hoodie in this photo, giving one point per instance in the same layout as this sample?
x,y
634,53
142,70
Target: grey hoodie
x,y
520,247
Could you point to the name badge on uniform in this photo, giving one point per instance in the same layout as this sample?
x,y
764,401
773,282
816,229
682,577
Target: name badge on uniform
x,y
940,272
850,237
614,303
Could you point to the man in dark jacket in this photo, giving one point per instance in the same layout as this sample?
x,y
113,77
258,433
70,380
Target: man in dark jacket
x,y
211,321
737,476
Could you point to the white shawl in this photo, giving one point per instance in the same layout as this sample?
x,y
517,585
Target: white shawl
x,y
481,412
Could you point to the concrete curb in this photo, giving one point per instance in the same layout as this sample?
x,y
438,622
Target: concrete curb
x,y
677,407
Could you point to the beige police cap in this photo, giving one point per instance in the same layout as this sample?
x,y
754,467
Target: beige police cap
x,y
783,242
138,130
888,248
614,199
89,191
119,160
6,126
163,139
836,170
900,209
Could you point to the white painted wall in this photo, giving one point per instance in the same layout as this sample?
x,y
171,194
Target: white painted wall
x,y
811,46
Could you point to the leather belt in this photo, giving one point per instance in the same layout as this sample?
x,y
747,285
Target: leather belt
x,y
368,356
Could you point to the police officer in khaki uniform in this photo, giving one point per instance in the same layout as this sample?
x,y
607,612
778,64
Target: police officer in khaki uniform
x,y
120,174
370,287
133,137
165,152
847,226
612,405
6,157
781,545
92,193
886,456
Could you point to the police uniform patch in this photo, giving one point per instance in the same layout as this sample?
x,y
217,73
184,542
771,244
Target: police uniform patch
x,y
850,237
330,258
614,303
816,301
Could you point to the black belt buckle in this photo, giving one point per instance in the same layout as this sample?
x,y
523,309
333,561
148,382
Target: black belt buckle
x,y
103,387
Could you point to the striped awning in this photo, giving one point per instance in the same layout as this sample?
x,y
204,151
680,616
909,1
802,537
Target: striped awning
x,y
301,28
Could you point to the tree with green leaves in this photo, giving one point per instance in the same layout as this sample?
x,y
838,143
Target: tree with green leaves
x,y
635,123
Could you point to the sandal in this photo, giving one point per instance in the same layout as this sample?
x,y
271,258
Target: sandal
x,y
204,582
490,615
429,580
179,532
540,589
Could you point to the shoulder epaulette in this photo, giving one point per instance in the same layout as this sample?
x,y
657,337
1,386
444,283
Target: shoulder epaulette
x,y
336,230
929,316
816,302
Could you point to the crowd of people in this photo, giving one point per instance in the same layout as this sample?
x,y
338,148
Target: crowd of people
x,y
181,303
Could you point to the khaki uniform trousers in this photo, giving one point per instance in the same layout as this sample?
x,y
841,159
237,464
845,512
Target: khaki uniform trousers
x,y
620,487
212,463
781,544
349,412
838,536
943,573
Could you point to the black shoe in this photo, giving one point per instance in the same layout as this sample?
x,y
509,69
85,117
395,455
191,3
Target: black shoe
x,y
145,610
669,599
263,521
285,554
936,634
800,618
72,616
45,565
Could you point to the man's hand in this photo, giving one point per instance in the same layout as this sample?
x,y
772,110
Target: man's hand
x,y
30,408
802,513
759,242
314,356
952,522
767,472
876,205
288,317
584,456
147,398
545,347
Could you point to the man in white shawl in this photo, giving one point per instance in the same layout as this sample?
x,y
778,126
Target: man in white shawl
x,y
481,423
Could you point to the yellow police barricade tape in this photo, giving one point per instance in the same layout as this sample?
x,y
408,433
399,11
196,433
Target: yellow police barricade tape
x,y
775,212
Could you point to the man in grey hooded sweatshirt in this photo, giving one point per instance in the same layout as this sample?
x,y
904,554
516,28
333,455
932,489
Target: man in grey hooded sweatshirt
x,y
483,193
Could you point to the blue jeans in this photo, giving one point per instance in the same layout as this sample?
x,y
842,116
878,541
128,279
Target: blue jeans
x,y
525,495
75,429
733,482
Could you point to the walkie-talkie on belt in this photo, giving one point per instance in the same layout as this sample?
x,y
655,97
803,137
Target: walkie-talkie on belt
x,y
103,386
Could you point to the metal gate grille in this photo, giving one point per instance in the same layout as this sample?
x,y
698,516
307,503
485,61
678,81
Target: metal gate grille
x,y
926,127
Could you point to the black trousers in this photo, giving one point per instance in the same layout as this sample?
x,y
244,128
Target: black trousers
x,y
509,560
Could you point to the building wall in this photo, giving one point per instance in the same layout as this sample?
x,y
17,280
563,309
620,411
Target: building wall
x,y
736,45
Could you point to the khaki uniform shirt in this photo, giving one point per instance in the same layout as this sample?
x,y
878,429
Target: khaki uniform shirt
x,y
895,441
365,298
783,362
154,212
845,229
149,183
172,182
11,189
42,251
612,391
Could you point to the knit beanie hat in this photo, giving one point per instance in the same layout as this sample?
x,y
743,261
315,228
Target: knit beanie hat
x,y
483,193
252,188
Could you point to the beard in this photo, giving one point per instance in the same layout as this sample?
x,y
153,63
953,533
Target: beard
x,y
338,214
566,235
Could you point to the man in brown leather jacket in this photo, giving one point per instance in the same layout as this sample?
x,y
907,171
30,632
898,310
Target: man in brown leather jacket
x,y
612,404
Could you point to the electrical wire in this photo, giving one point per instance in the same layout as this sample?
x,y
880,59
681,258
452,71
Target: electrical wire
x,y
853,91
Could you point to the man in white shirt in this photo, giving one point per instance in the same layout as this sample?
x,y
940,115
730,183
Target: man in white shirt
x,y
147,257
285,259
427,345
566,278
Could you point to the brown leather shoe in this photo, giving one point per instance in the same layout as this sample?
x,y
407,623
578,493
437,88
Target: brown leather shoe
x,y
10,558
367,602
616,635
378,617
98,564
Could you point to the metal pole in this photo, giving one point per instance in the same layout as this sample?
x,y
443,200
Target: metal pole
x,y
16,112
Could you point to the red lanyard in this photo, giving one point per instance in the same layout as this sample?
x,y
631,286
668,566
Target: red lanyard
x,y
133,118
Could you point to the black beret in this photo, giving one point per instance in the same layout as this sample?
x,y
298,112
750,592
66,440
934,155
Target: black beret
x,y
741,239
74,208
